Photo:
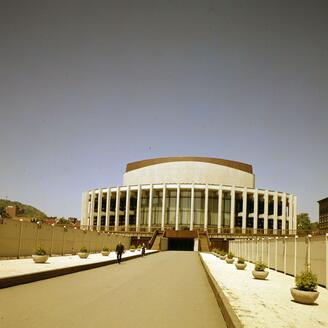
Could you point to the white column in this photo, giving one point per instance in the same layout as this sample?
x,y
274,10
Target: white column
x,y
295,214
275,212
232,210
163,207
326,260
266,210
84,208
150,206
269,252
252,249
177,208
138,209
290,214
276,255
295,256
92,209
127,208
192,205
220,209
99,209
309,252
245,248
285,254
107,210
255,199
243,226
283,214
117,208
206,208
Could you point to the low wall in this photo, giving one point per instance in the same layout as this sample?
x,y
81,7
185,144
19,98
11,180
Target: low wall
x,y
19,239
290,255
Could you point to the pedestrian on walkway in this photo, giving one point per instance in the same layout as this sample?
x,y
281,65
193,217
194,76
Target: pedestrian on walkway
x,y
143,249
119,251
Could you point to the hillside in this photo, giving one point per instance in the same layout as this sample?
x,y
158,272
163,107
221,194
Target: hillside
x,y
22,209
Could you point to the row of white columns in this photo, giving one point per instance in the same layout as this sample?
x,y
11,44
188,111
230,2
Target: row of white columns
x,y
253,250
88,213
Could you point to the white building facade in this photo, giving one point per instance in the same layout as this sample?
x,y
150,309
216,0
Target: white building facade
x,y
189,193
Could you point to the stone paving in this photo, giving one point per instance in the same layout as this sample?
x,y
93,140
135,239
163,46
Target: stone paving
x,y
10,268
167,289
266,303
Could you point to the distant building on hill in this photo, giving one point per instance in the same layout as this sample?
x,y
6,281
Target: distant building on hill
x,y
323,214
10,210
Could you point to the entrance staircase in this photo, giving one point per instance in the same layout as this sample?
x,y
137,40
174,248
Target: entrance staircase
x,y
204,242
155,241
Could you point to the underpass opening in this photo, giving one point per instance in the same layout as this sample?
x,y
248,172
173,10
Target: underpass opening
x,y
180,244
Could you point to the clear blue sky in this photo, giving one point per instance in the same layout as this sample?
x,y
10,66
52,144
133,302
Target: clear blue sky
x,y
88,86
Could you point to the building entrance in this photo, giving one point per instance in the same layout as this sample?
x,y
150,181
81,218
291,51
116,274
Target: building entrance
x,y
181,244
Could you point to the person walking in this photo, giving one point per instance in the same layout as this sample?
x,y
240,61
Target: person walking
x,y
119,252
143,249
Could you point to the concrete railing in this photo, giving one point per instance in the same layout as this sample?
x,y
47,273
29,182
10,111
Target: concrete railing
x,y
18,239
289,254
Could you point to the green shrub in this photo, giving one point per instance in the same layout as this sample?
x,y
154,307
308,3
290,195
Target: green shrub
x,y
105,249
132,247
222,252
139,247
241,260
260,266
215,250
230,255
306,280
83,249
40,251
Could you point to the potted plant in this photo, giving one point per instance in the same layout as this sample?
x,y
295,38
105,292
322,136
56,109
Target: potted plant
x,y
229,258
105,251
306,288
222,255
132,248
259,270
139,248
240,264
83,253
40,255
215,251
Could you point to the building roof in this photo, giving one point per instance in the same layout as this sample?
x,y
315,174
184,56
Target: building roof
x,y
224,162
323,200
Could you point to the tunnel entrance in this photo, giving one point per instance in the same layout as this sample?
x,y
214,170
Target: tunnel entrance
x,y
181,244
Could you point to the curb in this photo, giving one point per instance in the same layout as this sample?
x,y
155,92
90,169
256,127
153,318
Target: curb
x,y
228,313
36,276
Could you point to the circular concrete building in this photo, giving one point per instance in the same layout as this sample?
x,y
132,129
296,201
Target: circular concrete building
x,y
197,194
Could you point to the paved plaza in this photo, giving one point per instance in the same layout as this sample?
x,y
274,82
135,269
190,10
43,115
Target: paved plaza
x,y
266,303
168,289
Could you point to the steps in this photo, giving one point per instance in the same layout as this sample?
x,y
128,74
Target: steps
x,y
156,244
204,243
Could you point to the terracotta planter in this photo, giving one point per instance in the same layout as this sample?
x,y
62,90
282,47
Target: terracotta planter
x,y
40,258
240,266
105,253
229,261
303,296
260,274
83,255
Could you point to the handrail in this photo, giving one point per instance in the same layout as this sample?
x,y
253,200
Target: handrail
x,y
152,239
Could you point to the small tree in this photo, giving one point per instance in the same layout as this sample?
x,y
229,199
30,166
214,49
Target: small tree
x,y
303,221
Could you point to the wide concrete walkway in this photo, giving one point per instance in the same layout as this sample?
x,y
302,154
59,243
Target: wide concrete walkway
x,y
168,289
